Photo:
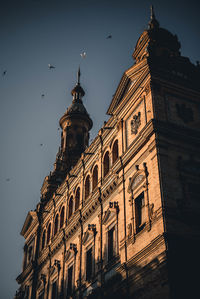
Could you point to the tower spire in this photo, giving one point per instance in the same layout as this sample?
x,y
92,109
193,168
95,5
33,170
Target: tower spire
x,y
152,12
78,76
153,22
76,124
78,92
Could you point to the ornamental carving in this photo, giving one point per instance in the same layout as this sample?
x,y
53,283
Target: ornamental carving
x,y
71,252
68,255
185,113
41,281
87,236
152,213
111,212
135,181
135,123
129,227
106,216
53,270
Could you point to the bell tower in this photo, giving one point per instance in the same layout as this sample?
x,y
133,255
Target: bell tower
x,y
76,124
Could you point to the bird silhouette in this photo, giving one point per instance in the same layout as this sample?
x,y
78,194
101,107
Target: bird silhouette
x,y
42,95
8,180
109,36
4,73
51,66
83,54
41,144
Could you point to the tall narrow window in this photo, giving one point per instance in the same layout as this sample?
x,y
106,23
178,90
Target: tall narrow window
x,y
49,233
43,238
69,281
62,215
70,207
56,225
115,153
89,264
87,186
77,199
111,243
139,212
95,177
106,164
54,290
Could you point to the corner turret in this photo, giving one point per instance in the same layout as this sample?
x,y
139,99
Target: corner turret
x,y
76,124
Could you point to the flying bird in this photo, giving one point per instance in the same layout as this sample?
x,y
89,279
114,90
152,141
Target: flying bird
x,y
51,66
42,95
41,144
83,54
8,180
109,36
4,73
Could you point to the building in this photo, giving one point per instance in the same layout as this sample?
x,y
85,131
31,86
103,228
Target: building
x,y
121,217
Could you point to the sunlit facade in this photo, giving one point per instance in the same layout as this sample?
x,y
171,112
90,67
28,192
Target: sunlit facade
x,y
120,217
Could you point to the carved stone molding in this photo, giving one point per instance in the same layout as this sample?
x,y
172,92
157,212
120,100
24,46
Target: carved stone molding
x,y
42,281
68,255
53,270
89,234
71,252
152,212
135,123
106,216
111,212
136,179
130,230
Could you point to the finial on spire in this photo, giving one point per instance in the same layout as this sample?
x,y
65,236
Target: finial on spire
x,y
153,22
78,75
78,91
152,12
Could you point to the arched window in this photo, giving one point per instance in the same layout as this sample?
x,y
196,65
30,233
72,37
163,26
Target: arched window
x,y
87,186
95,177
106,164
48,233
115,152
62,214
43,238
70,207
56,225
77,199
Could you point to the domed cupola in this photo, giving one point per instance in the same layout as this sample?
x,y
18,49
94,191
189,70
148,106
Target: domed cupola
x,y
156,42
76,124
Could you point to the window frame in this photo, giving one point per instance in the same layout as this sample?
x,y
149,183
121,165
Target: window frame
x,y
113,152
89,247
87,194
111,226
69,266
70,208
105,173
142,216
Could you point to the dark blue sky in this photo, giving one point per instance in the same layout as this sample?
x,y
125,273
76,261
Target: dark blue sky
x,y
36,33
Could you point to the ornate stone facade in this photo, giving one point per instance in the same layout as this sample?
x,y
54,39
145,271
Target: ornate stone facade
x,y
120,218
